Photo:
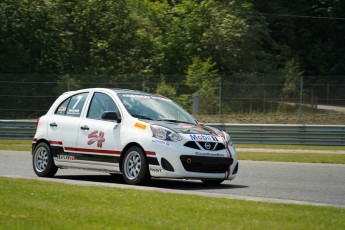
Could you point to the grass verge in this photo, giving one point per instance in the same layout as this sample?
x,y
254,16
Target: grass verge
x,y
31,204
15,145
25,145
293,157
304,147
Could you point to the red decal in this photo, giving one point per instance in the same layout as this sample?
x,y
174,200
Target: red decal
x,y
150,153
227,148
228,173
92,150
96,138
55,142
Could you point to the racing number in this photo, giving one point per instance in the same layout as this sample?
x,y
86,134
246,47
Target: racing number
x,y
79,97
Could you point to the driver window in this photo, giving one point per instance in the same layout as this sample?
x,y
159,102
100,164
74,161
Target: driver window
x,y
100,103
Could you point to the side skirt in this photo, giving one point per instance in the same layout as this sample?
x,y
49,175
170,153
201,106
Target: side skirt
x,y
92,165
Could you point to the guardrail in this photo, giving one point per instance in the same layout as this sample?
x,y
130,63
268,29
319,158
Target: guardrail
x,y
240,133
285,134
17,129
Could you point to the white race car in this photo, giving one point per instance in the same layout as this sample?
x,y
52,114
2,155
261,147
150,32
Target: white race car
x,y
137,134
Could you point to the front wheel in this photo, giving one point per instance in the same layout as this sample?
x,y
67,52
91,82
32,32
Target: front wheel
x,y
134,166
43,162
212,182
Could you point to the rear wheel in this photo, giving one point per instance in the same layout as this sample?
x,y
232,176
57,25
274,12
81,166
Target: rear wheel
x,y
43,162
134,166
212,182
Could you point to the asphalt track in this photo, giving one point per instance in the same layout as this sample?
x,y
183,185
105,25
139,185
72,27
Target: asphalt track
x,y
300,183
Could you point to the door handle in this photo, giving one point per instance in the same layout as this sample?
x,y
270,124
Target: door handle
x,y
53,124
85,127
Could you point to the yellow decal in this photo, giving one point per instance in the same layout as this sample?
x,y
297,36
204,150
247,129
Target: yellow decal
x,y
140,126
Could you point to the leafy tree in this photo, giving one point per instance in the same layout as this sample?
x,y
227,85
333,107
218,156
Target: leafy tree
x,y
293,74
166,89
229,32
203,78
309,30
24,37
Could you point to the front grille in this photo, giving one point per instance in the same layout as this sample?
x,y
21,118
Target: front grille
x,y
209,146
220,146
206,164
192,144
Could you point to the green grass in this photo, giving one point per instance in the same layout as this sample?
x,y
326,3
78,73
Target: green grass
x,y
293,157
15,145
304,147
319,117
309,157
25,145
31,204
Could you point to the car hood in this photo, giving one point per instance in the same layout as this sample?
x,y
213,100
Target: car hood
x,y
185,128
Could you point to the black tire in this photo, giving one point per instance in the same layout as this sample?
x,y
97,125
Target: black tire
x,y
135,169
212,182
43,162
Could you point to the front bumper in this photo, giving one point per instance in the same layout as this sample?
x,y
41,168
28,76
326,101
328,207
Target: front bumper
x,y
178,161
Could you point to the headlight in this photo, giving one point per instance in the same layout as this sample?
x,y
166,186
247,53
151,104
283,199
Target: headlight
x,y
165,134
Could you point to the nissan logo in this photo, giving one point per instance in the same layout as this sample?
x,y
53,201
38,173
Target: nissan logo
x,y
207,145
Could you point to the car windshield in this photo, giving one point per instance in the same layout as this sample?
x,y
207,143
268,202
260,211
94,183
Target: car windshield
x,y
153,107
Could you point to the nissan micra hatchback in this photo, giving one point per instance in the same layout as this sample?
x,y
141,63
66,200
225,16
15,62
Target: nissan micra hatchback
x,y
137,134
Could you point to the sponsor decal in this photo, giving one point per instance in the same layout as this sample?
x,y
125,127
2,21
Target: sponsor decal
x,y
156,170
136,96
196,137
62,109
145,97
94,137
209,154
73,112
66,157
160,142
140,126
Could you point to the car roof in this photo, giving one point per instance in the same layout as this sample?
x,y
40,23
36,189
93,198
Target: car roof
x,y
117,91
120,91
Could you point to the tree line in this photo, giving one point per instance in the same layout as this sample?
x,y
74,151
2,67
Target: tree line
x,y
196,42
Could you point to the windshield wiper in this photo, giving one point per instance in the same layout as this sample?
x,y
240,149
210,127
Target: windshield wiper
x,y
141,116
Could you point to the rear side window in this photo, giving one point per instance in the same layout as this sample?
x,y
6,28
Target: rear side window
x,y
61,110
72,106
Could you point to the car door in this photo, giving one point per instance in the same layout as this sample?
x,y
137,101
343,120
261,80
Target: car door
x,y
63,125
99,140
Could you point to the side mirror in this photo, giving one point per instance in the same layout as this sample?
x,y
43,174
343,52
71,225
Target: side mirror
x,y
111,116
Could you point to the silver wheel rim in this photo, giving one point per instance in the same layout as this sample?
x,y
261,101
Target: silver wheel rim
x,y
132,165
41,159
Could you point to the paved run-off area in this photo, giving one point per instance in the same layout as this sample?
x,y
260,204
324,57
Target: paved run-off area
x,y
305,183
